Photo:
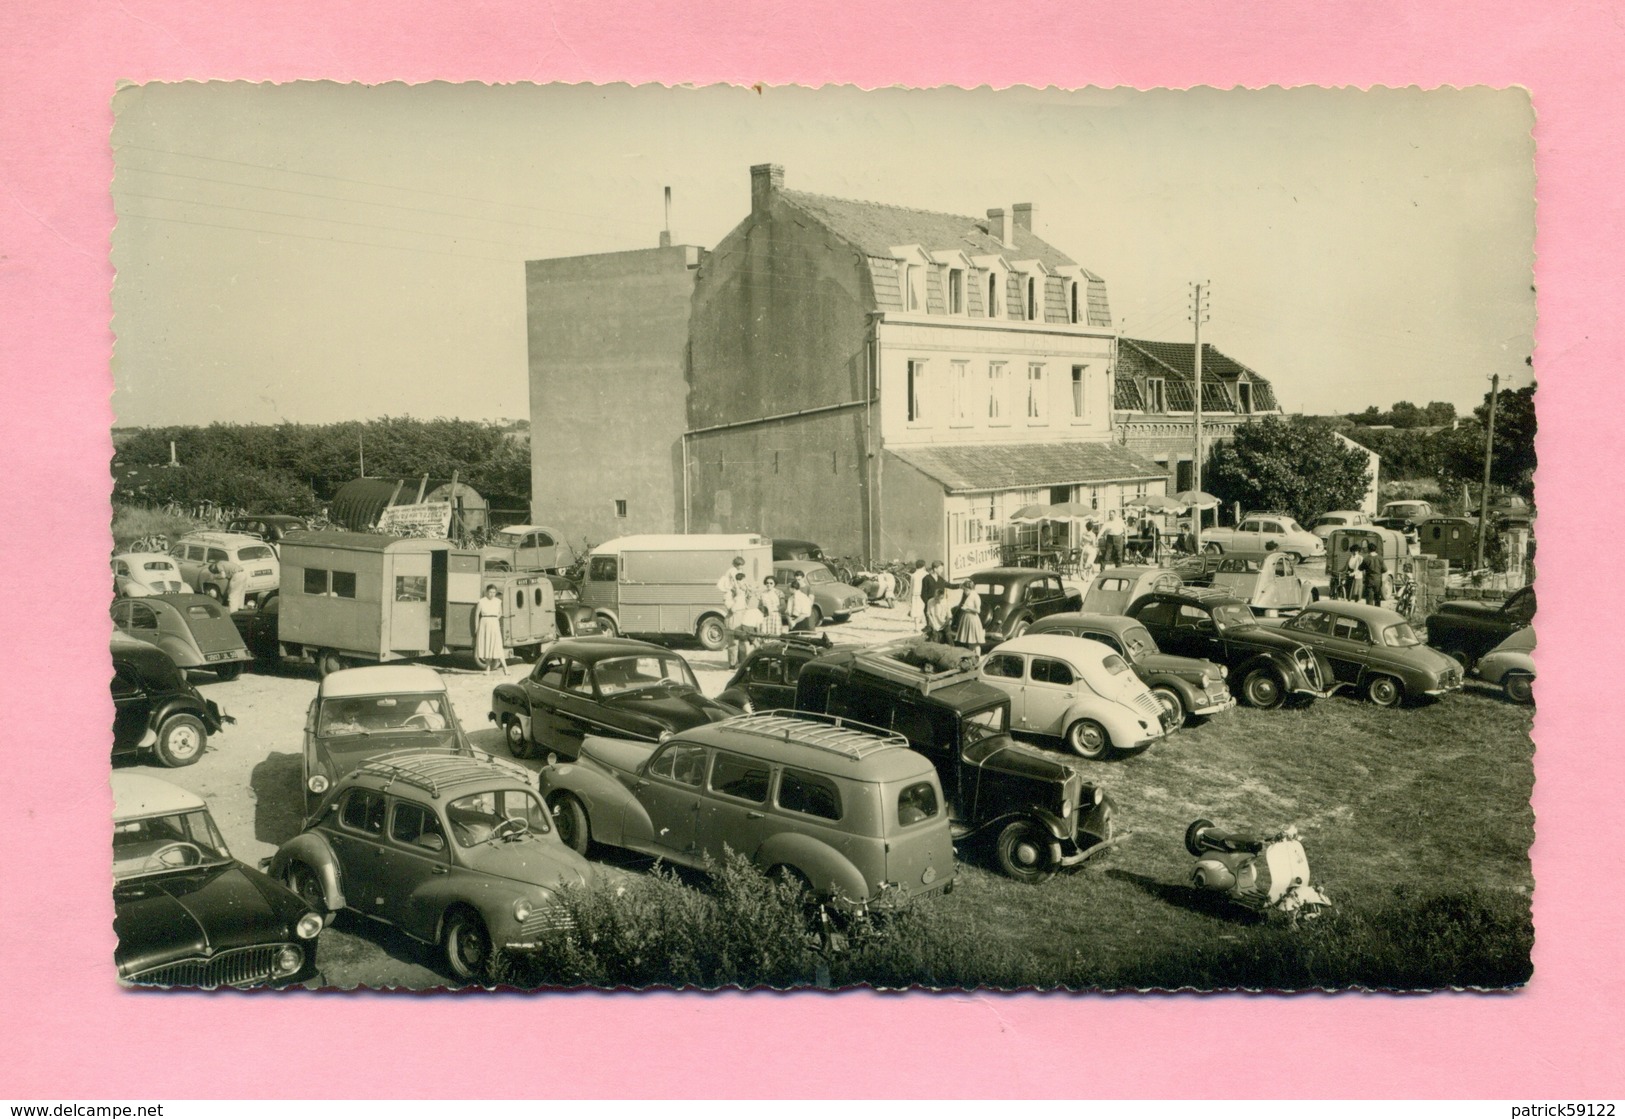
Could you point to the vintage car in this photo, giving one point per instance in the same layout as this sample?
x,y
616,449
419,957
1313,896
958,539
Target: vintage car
x,y
797,550
361,713
257,625
1511,665
198,553
1266,532
453,851
766,679
155,709
1338,518
1266,581
186,913
600,685
855,816
1266,666
138,574
832,599
573,617
269,527
1013,598
1113,589
1411,512
193,629
1467,630
1185,687
1374,651
527,548
1076,690
1036,813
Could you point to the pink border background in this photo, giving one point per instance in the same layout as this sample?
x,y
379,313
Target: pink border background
x,y
68,1032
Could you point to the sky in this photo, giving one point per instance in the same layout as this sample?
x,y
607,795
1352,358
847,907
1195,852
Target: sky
x,y
315,252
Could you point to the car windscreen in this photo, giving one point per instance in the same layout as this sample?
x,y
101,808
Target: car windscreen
x,y
158,844
1138,641
255,552
398,713
158,565
475,818
1232,615
1400,636
817,575
624,675
986,723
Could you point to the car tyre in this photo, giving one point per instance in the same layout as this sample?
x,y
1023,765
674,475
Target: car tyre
x,y
817,617
328,662
1025,851
228,671
180,741
1263,688
518,745
467,945
1384,691
711,633
1018,629
1172,704
1088,739
1519,687
299,878
608,628
570,818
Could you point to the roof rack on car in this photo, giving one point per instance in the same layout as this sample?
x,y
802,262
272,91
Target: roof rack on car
x,y
429,772
882,661
837,734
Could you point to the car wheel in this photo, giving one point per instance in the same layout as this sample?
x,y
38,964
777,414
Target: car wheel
x,y
608,628
328,662
1461,657
711,633
570,818
1213,549
180,741
467,944
817,617
1018,629
1025,851
1384,691
213,592
518,745
1263,689
1088,739
303,881
1519,687
229,671
1173,707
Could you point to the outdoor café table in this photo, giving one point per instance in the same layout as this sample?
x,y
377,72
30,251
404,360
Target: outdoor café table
x,y
1040,557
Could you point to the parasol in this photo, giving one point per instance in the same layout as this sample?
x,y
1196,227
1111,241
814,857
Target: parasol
x,y
1196,499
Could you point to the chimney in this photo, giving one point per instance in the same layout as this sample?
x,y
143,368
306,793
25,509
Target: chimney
x,y
665,234
998,225
766,180
1023,212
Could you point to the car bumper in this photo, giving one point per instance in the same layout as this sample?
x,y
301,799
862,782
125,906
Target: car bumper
x,y
1443,689
1215,707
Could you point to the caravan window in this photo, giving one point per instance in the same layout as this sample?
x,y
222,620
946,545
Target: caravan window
x,y
411,588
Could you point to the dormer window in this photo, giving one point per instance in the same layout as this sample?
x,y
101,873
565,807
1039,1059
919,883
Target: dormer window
x,y
994,303
1244,396
1072,300
956,291
1032,298
1156,399
913,287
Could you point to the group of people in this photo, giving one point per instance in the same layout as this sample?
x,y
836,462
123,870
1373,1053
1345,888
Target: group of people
x,y
761,610
1357,574
950,613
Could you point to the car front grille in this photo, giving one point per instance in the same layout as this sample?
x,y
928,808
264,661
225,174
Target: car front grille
x,y
546,919
239,967
1310,666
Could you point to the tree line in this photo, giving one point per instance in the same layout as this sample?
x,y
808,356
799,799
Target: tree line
x,y
296,468
1456,454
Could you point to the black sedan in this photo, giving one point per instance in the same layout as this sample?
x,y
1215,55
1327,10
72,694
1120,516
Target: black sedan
x,y
155,709
186,913
601,685
1184,686
1468,630
1013,598
1266,666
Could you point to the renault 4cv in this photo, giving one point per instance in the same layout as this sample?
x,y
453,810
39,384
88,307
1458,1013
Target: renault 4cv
x,y
1038,812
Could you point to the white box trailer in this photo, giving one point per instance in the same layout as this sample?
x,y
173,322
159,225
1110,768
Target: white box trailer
x,y
665,585
365,597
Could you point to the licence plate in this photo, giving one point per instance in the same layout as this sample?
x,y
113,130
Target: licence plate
x,y
262,571
216,656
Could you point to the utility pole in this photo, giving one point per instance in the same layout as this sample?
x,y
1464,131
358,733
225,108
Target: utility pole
x,y
1489,444
361,449
1198,316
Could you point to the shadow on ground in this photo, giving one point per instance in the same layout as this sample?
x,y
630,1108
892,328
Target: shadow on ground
x,y
278,800
1204,902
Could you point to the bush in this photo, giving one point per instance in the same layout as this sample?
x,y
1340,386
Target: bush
x,y
132,522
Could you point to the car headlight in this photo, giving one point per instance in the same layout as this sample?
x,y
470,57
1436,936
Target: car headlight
x,y
522,908
309,925
1066,808
1100,794
317,784
289,959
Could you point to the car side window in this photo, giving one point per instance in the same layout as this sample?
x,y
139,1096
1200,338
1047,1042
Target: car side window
x,y
550,673
1047,671
1521,607
1271,527
1351,629
1193,617
125,685
1105,639
1157,614
416,826
810,794
1250,525
217,555
682,762
1312,621
143,616
766,670
736,776
543,540
364,811
1006,666
577,678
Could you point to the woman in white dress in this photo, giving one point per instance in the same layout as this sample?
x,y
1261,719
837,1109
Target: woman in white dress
x,y
488,648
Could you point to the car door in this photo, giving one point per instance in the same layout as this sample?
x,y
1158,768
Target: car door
x,y
670,791
416,851
733,811
1348,648
1050,689
141,623
575,710
131,708
356,836
1045,596
1008,673
1315,629
768,683
1194,635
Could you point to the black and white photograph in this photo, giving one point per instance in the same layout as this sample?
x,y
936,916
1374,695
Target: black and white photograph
x,y
626,537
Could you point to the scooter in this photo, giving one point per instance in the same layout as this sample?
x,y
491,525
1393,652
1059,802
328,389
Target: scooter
x,y
1266,873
